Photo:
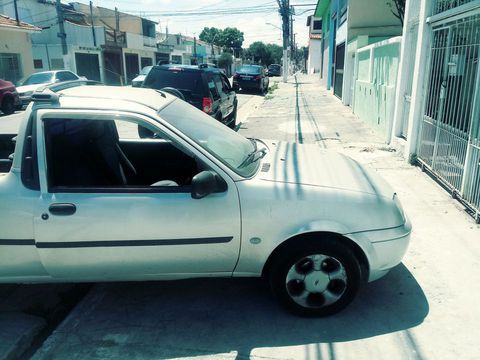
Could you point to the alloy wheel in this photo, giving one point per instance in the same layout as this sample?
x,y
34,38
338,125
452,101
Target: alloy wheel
x,y
316,281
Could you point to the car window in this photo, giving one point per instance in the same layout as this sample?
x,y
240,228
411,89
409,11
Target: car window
x,y
189,83
226,84
219,84
39,78
104,153
250,69
212,86
146,70
66,76
226,145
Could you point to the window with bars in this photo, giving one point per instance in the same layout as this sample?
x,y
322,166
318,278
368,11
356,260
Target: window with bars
x,y
10,67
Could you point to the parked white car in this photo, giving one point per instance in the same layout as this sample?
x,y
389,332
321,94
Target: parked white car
x,y
27,86
138,80
87,199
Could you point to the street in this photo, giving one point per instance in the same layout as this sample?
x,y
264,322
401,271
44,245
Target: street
x,y
425,308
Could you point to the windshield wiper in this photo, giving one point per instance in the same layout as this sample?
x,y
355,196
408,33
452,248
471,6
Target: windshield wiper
x,y
253,156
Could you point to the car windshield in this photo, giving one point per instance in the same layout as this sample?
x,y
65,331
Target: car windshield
x,y
39,78
188,82
146,70
274,67
250,69
231,148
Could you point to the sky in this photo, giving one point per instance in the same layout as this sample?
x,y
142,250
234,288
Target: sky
x,y
253,24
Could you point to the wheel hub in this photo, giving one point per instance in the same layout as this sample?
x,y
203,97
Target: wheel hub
x,y
316,281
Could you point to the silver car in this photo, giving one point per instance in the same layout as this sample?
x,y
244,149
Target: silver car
x,y
87,199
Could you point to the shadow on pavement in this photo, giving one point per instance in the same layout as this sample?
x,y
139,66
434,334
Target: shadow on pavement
x,y
215,316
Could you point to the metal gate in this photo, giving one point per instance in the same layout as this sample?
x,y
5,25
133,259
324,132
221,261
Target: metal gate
x,y
449,143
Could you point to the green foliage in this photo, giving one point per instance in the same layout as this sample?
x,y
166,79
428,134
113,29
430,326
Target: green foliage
x,y
226,38
232,38
413,159
276,53
225,60
273,87
211,35
265,54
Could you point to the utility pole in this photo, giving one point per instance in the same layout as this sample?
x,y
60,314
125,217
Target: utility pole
x,y
61,34
195,50
284,6
93,27
117,25
16,12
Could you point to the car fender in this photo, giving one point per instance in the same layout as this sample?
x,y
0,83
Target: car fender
x,y
252,262
329,226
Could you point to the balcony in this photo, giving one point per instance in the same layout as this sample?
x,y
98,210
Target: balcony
x,y
115,38
140,42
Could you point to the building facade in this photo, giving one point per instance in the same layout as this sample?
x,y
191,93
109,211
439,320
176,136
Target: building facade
x,y
314,61
16,60
438,95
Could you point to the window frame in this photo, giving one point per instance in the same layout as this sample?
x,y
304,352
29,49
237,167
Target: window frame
x,y
42,156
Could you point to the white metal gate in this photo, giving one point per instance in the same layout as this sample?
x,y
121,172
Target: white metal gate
x,y
449,143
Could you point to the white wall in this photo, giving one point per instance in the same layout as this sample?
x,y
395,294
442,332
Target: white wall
x,y
314,56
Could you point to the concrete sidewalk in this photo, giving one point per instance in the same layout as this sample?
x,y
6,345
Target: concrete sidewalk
x,y
444,254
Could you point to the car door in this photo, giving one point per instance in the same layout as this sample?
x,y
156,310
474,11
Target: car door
x,y
215,95
227,89
85,232
224,96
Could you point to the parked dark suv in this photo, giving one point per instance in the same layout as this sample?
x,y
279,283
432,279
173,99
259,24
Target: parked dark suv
x,y
205,87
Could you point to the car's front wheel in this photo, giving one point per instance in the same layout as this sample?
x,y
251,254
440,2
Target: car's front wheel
x,y
8,105
315,278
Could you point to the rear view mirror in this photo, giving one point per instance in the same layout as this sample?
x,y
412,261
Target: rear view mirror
x,y
206,183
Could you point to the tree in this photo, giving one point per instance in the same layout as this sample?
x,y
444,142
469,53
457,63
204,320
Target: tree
x,y
264,54
276,52
398,9
225,61
232,38
211,36
229,38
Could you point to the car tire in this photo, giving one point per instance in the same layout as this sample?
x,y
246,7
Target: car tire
x,y
315,278
8,105
233,118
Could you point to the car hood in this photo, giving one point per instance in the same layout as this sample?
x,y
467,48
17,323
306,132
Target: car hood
x,y
139,78
310,165
26,88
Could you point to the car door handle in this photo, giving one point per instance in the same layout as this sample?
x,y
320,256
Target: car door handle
x,y
62,209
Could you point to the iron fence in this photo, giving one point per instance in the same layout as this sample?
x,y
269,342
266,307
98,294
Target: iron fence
x,y
449,142
444,5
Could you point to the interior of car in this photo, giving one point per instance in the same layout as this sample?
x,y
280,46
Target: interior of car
x,y
89,153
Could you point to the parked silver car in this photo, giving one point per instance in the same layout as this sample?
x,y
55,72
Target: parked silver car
x,y
87,199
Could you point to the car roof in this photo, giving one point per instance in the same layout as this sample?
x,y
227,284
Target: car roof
x,y
120,98
49,72
188,67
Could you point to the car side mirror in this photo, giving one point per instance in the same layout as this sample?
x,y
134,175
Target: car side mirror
x,y
206,183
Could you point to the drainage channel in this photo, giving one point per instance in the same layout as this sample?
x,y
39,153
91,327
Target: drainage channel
x,y
54,317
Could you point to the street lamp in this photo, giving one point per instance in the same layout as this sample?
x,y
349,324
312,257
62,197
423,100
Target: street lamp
x,y
275,26
285,52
